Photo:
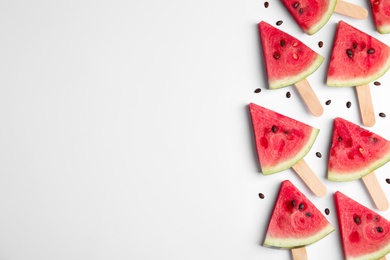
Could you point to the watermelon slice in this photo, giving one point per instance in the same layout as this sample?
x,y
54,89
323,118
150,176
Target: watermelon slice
x,y
381,13
355,152
295,221
310,15
364,233
357,58
287,59
280,140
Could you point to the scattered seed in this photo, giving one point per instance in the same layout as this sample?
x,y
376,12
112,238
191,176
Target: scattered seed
x,y
274,129
357,220
301,206
261,195
318,154
350,53
288,94
381,114
266,4
354,45
258,90
300,10
282,42
377,83
293,203
349,104
388,180
328,102
279,22
320,44
379,229
370,51
276,56
327,211
308,214
296,5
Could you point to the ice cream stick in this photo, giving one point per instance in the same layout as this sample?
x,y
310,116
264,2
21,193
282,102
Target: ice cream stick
x,y
299,253
365,105
309,97
351,10
383,258
310,178
376,192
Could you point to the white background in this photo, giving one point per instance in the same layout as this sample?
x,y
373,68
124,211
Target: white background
x,y
124,130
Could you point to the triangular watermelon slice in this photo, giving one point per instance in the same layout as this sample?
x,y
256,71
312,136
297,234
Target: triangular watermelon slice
x,y
355,151
280,140
381,14
364,233
295,221
357,58
287,59
310,15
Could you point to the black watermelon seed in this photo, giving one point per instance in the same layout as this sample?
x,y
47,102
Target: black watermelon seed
x,y
379,229
274,129
258,90
375,140
261,195
308,214
349,104
276,56
381,114
293,203
300,10
279,22
318,154
350,53
357,220
282,42
296,5
354,45
328,102
288,94
327,211
377,83
388,180
370,51
320,44
301,206
340,139
266,4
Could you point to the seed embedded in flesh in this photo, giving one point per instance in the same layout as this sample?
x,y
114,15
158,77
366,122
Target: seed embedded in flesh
x,y
381,114
295,56
296,5
328,102
300,10
320,44
279,22
354,45
308,214
276,56
350,53
274,129
357,220
340,139
377,83
301,206
370,51
379,229
293,203
282,43
327,211
295,44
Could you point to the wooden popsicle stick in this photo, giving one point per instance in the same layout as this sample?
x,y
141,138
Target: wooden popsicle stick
x,y
351,10
309,97
365,104
376,191
383,258
299,253
310,178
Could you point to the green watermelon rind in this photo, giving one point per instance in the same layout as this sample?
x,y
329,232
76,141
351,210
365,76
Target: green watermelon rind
x,y
383,29
342,176
325,18
357,81
294,242
377,255
289,163
276,84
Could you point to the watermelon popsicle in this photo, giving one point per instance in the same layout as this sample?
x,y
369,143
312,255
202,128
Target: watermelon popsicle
x,y
295,222
312,15
380,10
356,60
288,61
282,142
355,153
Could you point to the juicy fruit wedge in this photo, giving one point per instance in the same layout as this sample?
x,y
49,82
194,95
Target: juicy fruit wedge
x,y
381,14
310,15
287,59
295,221
355,151
280,140
357,58
364,233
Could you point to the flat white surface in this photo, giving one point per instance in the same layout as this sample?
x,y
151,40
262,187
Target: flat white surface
x,y
124,131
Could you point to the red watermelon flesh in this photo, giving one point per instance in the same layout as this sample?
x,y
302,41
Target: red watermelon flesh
x,y
355,151
287,60
295,221
381,14
364,233
280,140
357,58
310,15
